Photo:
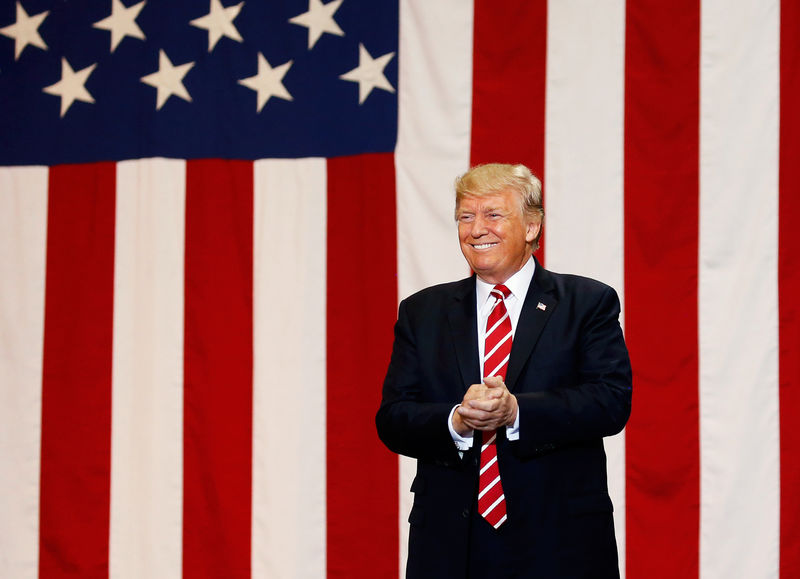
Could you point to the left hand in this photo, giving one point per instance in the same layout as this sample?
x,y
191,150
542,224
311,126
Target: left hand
x,y
495,408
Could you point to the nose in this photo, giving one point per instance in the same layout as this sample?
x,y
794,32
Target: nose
x,y
478,228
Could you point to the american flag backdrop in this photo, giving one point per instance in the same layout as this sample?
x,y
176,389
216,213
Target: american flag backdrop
x,y
209,211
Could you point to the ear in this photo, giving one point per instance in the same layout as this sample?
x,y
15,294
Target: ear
x,y
532,231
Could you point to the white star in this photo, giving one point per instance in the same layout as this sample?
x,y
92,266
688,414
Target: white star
x,y
70,88
319,19
168,80
122,22
268,82
25,30
369,73
219,23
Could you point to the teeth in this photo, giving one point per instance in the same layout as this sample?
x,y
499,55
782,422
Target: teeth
x,y
482,245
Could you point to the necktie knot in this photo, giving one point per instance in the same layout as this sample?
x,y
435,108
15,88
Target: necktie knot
x,y
500,292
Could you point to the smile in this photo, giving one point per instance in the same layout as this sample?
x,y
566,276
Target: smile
x,y
483,245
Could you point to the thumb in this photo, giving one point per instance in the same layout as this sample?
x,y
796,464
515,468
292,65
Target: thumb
x,y
494,381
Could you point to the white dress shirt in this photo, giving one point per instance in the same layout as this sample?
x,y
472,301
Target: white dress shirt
x,y
518,285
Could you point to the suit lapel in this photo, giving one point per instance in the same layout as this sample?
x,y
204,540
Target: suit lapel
x,y
540,303
462,317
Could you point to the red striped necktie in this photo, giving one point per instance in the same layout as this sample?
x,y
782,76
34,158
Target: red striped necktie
x,y
491,499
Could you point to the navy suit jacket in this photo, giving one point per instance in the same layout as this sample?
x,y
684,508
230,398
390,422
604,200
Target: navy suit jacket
x,y
570,371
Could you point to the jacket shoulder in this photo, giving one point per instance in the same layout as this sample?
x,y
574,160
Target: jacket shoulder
x,y
439,293
568,283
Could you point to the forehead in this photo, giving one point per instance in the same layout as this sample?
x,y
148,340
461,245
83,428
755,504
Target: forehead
x,y
505,199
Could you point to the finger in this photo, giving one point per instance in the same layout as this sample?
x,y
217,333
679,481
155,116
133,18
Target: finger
x,y
494,393
468,410
474,415
486,405
475,391
485,425
494,381
479,420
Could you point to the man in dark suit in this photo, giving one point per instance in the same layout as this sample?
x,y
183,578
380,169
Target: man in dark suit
x,y
541,411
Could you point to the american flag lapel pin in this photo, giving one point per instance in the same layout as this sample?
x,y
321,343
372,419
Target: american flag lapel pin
x,y
541,306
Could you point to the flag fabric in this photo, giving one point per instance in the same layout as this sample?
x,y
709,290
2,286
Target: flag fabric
x,y
209,211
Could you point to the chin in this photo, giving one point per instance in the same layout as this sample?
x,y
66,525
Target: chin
x,y
486,274
480,270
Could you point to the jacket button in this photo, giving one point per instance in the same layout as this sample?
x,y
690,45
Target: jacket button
x,y
465,513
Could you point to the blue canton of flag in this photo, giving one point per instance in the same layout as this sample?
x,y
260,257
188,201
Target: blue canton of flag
x,y
84,81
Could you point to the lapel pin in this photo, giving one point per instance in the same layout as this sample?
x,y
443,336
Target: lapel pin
x,y
541,306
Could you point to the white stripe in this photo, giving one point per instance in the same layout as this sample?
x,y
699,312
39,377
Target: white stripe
x,y
738,335
500,343
490,441
288,534
23,227
494,327
494,504
502,363
433,144
147,371
489,487
584,164
501,521
488,465
433,138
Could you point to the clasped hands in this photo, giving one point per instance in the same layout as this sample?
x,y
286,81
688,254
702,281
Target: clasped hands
x,y
486,406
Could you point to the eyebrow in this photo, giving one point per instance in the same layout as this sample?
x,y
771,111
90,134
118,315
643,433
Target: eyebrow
x,y
462,211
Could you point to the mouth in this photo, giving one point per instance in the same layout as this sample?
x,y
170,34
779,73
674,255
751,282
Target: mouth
x,y
483,245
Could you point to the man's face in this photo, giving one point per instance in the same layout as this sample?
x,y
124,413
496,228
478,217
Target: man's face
x,y
495,237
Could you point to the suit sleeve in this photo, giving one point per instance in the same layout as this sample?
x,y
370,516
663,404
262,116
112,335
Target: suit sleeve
x,y
408,421
594,398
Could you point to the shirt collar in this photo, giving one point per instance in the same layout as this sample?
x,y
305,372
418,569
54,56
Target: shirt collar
x,y
517,283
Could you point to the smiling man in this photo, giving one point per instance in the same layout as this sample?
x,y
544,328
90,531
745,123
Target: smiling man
x,y
502,386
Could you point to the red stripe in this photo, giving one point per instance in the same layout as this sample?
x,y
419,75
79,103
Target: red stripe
x,y
76,381
509,64
789,289
362,530
218,359
661,241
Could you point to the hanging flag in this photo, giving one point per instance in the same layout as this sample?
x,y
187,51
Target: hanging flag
x,y
209,211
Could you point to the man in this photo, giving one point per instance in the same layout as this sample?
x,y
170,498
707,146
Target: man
x,y
539,393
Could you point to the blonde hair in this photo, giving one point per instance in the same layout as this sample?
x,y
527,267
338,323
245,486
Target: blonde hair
x,y
494,178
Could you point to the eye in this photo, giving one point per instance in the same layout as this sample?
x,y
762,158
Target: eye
x,y
465,217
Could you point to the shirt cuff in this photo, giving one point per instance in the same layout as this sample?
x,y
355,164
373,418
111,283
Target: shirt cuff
x,y
512,432
462,442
